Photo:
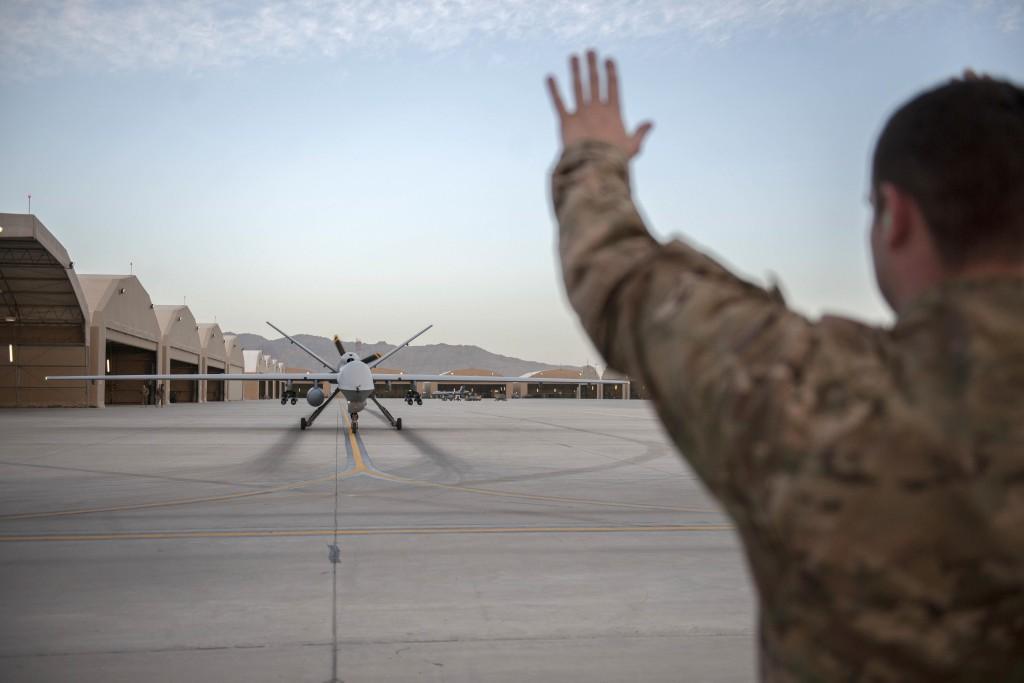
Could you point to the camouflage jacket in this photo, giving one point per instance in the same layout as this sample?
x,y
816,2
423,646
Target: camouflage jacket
x,y
875,476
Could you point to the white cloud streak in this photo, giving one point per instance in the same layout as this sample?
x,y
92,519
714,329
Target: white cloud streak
x,y
40,36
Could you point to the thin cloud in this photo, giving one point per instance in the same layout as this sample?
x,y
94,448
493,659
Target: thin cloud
x,y
41,36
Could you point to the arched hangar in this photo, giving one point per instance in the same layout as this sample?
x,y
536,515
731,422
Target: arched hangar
x,y
43,328
181,351
236,365
124,338
212,360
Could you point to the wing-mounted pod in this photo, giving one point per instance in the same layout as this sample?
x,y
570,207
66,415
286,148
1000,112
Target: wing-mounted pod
x,y
315,396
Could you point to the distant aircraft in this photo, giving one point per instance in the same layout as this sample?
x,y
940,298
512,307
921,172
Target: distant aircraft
x,y
352,377
451,395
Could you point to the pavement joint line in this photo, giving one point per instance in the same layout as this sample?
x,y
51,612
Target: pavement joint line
x,y
373,472
547,638
169,503
534,496
361,465
370,531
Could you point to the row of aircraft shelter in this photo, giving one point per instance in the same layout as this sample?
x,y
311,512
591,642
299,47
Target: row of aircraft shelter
x,y
59,322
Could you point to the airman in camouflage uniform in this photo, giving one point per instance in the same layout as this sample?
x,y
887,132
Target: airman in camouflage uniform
x,y
875,476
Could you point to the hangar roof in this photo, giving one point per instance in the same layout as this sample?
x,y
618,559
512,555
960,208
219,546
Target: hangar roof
x,y
119,302
233,350
556,373
178,327
211,339
38,285
472,372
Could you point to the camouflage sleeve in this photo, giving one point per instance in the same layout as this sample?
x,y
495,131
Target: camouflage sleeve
x,y
724,361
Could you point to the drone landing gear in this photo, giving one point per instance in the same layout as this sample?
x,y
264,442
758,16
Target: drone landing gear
x,y
355,422
396,423
308,421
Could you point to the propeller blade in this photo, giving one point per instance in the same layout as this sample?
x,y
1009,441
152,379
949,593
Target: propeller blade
x,y
338,345
372,357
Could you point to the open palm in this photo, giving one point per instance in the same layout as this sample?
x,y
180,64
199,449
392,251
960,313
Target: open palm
x,y
596,117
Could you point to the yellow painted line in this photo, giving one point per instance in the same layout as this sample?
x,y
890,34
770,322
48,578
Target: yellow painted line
x,y
172,535
357,454
533,496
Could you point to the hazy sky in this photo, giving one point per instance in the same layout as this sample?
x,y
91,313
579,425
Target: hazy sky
x,y
370,167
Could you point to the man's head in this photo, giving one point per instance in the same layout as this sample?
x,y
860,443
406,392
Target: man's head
x,y
948,188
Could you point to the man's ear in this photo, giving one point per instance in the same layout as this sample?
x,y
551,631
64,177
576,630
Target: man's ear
x,y
898,214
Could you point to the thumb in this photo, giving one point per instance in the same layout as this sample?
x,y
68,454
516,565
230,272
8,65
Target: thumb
x,y
637,140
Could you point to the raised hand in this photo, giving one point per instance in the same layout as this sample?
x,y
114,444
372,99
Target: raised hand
x,y
596,117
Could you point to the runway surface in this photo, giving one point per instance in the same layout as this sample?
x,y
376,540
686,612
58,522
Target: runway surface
x,y
548,540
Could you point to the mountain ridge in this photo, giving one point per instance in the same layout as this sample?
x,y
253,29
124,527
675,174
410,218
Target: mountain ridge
x,y
426,358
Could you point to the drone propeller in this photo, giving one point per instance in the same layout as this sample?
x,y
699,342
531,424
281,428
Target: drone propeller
x,y
372,357
338,345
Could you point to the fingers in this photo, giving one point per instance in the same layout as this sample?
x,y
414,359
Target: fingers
x,y
556,98
613,83
637,140
971,75
595,77
577,81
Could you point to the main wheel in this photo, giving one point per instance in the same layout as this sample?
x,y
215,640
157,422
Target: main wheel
x,y
294,400
283,400
398,424
302,423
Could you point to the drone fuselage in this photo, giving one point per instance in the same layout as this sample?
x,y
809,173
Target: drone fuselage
x,y
355,380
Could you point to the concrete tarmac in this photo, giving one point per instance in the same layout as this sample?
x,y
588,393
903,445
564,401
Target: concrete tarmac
x,y
540,540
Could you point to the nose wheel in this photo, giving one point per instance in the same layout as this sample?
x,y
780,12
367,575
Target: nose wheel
x,y
355,422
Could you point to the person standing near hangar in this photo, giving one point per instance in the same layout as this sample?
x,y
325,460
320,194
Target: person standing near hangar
x,y
875,475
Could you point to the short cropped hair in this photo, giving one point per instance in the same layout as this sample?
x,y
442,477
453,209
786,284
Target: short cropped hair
x,y
958,150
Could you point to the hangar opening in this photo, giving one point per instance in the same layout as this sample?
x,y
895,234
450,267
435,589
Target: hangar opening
x,y
613,391
482,390
183,390
581,390
390,389
619,391
214,389
43,312
122,359
552,390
